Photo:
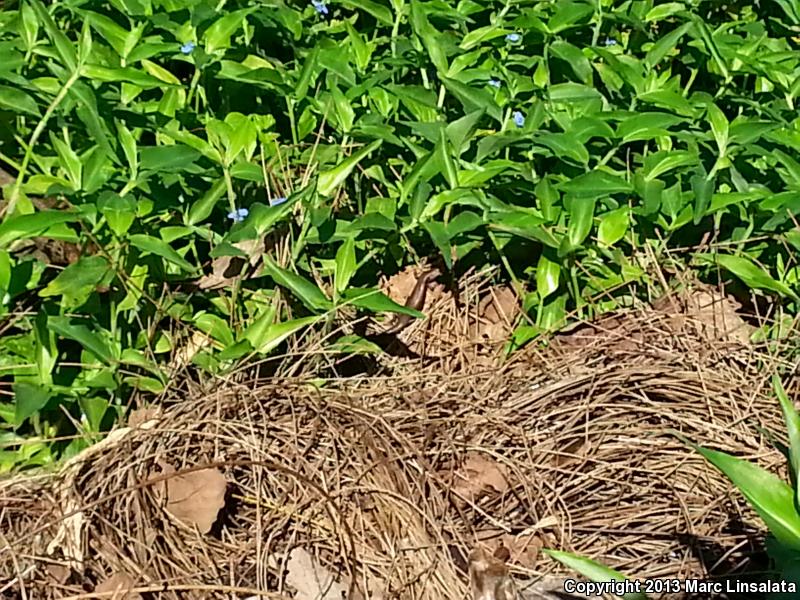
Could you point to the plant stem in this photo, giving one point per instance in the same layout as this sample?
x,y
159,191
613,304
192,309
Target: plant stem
x,y
35,137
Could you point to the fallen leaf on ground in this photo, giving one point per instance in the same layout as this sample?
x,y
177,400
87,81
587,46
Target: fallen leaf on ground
x,y
400,285
195,498
489,576
715,316
143,415
311,580
478,475
225,269
59,573
523,548
184,355
497,312
120,583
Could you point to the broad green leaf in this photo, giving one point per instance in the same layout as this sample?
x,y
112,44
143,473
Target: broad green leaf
x,y
573,56
214,327
309,67
68,160
78,280
274,335
473,99
662,162
218,36
662,11
703,189
376,301
115,35
563,144
460,131
482,34
596,184
201,209
306,291
160,72
613,226
441,238
431,39
792,420
651,191
568,14
380,12
343,111
547,276
581,213
665,45
242,137
770,497
119,211
64,47
17,100
152,245
345,264
445,162
94,409
263,217
592,570
29,25
719,126
124,74
72,329
647,126
174,158
750,273
28,400
330,180
128,144
19,227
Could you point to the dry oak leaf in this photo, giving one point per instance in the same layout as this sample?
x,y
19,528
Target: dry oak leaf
x,y
478,475
497,312
195,498
120,584
226,269
311,580
489,576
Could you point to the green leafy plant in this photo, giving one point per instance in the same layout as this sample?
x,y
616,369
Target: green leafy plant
x,y
298,152
773,499
594,571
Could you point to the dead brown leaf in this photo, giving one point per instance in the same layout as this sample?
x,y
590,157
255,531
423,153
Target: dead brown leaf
x,y
59,573
715,316
489,576
226,269
143,415
310,580
523,548
400,285
479,475
497,312
195,498
121,584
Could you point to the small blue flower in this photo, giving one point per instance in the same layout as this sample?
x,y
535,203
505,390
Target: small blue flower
x,y
276,201
319,6
188,47
238,215
513,37
519,118
610,42
495,83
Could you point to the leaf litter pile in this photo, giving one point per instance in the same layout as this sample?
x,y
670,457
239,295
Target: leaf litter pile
x,y
440,475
